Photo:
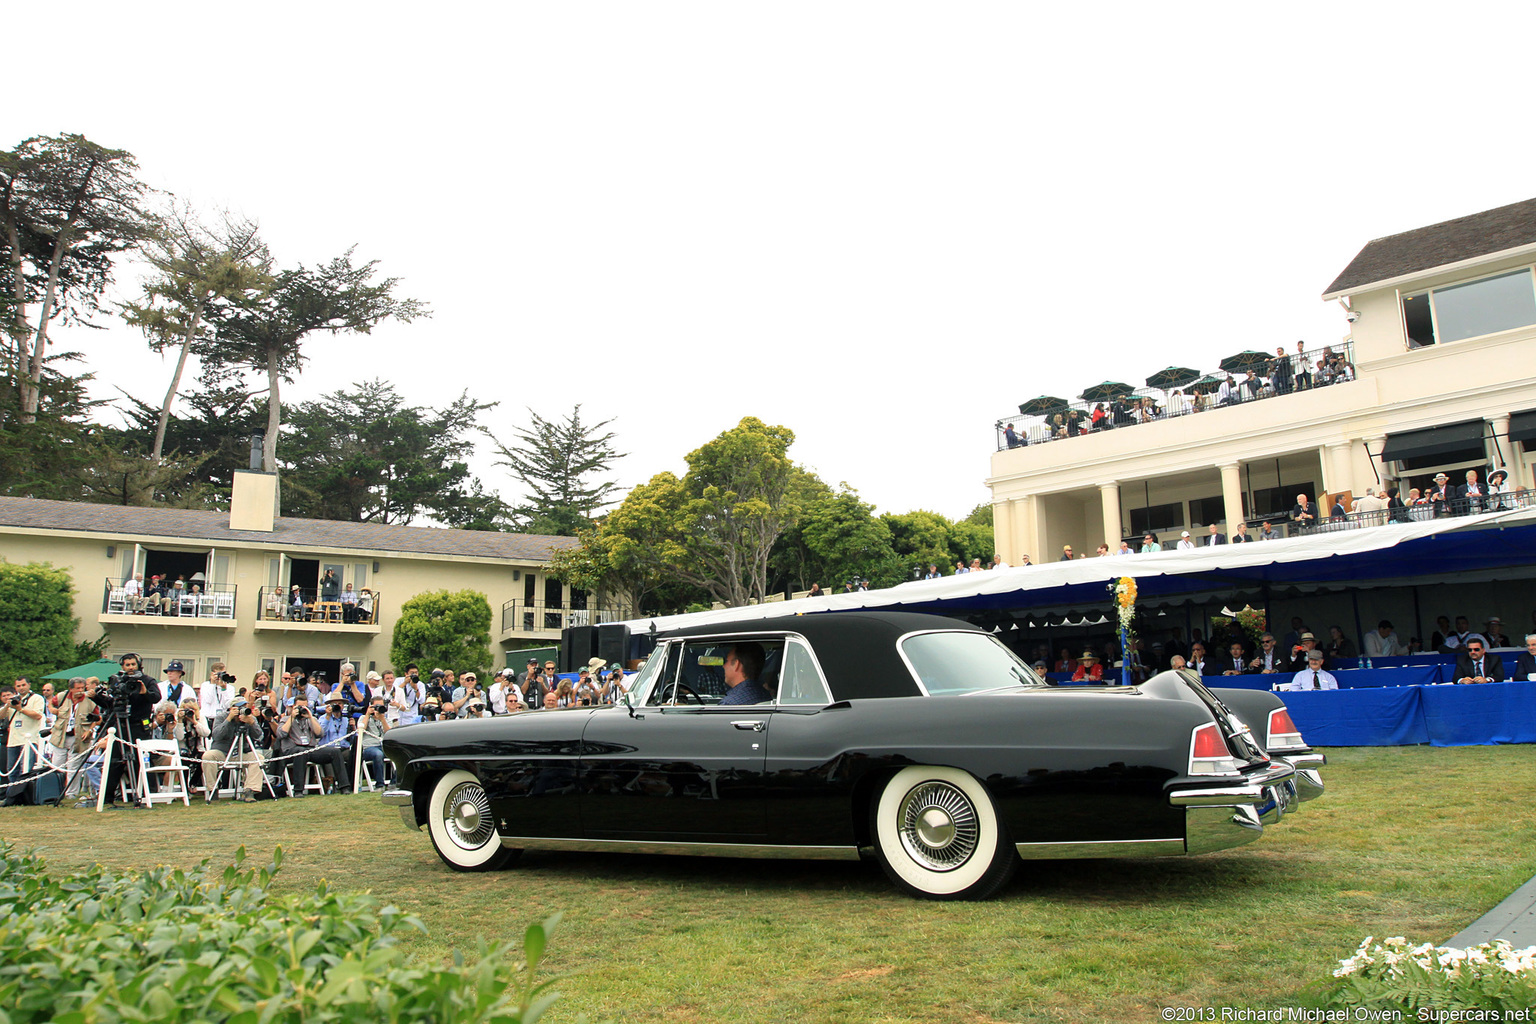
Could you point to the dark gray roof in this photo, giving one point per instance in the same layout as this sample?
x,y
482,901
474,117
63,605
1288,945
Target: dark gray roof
x,y
130,522
1450,241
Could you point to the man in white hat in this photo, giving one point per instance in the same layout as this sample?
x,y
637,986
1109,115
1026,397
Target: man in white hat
x,y
1441,495
1185,544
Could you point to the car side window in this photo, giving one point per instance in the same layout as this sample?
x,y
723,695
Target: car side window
x,y
694,675
800,680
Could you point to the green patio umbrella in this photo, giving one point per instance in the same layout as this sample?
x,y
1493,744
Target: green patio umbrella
x,y
1043,405
100,669
1248,360
1205,384
1108,390
1172,377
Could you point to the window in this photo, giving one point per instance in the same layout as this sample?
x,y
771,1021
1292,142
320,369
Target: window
x,y
798,680
1276,501
956,663
1204,511
1470,310
695,671
1157,517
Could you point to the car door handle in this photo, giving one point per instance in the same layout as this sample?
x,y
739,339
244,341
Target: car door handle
x,y
756,725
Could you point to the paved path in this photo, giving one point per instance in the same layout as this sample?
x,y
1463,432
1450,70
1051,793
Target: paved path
x,y
1513,920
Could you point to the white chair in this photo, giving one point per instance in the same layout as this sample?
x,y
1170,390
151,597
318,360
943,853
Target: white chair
x,y
117,601
223,605
176,771
187,605
314,782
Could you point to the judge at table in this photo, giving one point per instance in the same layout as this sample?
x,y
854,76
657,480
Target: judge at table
x,y
1313,677
1477,665
1525,664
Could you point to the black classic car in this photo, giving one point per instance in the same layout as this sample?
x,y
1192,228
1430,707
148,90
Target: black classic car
x,y
918,740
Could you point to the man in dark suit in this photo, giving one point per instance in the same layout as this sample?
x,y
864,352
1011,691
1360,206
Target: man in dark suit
x,y
1525,664
1240,535
1200,663
1472,494
1213,538
1442,495
1478,666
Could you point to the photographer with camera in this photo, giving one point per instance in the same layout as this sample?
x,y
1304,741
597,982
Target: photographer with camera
x,y
24,714
354,691
128,705
194,730
469,691
298,736
73,707
438,701
370,734
172,688
236,731
214,695
335,751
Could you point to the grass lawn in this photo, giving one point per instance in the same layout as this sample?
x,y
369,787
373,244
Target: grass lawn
x,y
1414,841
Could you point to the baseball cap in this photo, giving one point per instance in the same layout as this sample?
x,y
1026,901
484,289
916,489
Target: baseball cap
x,y
177,666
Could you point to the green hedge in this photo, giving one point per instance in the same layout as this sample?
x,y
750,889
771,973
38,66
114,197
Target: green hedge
x,y
217,945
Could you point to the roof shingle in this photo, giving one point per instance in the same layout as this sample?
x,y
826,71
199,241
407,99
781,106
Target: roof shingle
x,y
1451,241
194,524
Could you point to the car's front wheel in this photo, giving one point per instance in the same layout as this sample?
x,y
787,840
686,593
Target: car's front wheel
x,y
463,830
937,835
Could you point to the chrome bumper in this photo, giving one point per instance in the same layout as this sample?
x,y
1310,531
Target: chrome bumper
x,y
405,802
1309,781
1224,815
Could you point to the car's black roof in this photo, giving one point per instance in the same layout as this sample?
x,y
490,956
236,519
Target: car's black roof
x,y
857,649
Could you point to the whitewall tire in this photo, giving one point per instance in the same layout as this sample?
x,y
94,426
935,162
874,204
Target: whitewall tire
x,y
462,828
937,835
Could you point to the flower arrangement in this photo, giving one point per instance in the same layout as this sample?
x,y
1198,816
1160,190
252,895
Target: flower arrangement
x,y
1250,620
1391,974
1124,592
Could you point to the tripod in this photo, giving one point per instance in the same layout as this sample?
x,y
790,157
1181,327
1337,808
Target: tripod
x,y
235,760
125,770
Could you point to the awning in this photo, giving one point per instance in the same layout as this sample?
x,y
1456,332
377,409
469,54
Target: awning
x,y
1492,545
1522,426
1443,440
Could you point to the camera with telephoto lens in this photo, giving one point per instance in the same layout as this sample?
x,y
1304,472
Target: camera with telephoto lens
x,y
226,678
121,688
17,701
301,712
166,717
268,712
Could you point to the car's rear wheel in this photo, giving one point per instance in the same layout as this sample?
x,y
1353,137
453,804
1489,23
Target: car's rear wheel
x,y
463,830
937,835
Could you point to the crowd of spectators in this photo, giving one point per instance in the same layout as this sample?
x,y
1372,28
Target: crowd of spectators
x,y
1280,374
270,733
1294,656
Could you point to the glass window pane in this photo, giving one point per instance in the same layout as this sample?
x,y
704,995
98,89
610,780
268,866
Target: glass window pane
x,y
953,663
799,682
1418,320
1485,307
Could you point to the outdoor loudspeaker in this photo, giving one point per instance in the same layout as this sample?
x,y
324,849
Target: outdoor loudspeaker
x,y
576,647
613,642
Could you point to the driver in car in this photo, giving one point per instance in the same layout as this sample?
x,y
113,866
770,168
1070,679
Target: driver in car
x,y
742,667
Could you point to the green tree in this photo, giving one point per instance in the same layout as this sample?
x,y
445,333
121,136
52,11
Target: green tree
x,y
67,205
365,456
195,268
221,417
444,629
556,461
36,605
920,537
267,334
968,541
46,458
846,539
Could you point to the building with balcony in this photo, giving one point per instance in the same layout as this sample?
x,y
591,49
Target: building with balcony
x,y
265,591
1438,374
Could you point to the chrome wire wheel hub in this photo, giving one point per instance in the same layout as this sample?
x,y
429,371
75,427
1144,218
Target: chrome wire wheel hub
x,y
938,826
467,816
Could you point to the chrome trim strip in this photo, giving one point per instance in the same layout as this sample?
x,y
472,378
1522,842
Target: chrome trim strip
x,y
1103,848
765,851
397,797
1224,796
1309,784
1306,760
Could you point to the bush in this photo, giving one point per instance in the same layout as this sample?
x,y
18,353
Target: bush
x,y
206,945
1391,975
37,604
440,629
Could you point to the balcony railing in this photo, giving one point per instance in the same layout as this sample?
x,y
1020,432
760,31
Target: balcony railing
x,y
1331,364
1423,511
216,601
296,604
537,617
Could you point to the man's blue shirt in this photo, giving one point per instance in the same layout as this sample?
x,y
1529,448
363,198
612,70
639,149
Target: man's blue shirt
x,y
748,691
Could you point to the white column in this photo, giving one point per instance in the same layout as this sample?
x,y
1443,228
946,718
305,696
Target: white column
x,y
1335,471
1026,529
1373,446
1002,531
1232,494
1109,497
1500,425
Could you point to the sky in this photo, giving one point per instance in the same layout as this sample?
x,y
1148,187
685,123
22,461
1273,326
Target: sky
x,y
882,225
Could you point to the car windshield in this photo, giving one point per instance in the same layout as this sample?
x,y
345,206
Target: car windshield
x,y
955,663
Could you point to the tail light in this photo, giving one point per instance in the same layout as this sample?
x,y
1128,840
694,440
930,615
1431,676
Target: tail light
x,y
1283,734
1209,754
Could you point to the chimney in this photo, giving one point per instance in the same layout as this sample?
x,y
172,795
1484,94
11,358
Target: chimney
x,y
252,500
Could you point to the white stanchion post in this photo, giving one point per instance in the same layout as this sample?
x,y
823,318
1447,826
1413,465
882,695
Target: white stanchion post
x,y
357,763
106,769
